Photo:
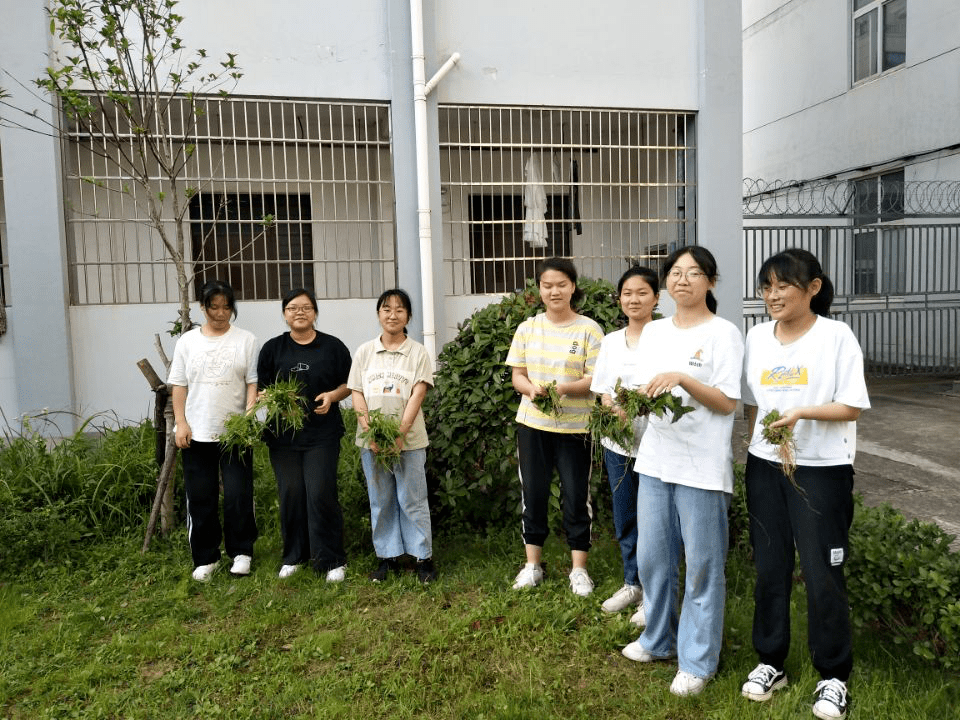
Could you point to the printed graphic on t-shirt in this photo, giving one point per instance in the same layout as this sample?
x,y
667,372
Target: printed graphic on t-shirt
x,y
783,376
300,367
215,364
387,382
696,360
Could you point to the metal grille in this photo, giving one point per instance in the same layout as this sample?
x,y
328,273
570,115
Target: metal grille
x,y
331,161
897,286
607,188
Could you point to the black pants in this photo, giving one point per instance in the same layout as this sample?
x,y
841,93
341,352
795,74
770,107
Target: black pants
x,y
816,519
203,465
311,520
539,452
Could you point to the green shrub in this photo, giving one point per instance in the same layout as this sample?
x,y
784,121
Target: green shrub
x,y
352,486
903,577
472,464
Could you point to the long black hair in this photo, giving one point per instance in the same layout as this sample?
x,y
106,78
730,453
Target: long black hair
x,y
704,260
798,267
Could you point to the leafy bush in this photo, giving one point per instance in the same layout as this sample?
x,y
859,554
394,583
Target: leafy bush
x,y
903,577
472,464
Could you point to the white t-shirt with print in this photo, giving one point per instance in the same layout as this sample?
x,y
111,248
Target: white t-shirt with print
x,y
824,365
696,450
216,371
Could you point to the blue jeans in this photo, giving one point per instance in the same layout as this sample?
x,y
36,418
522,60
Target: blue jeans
x,y
679,518
399,512
623,485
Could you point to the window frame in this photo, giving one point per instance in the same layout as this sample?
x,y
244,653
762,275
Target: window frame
x,y
881,57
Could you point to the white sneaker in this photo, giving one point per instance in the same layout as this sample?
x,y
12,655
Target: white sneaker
x,y
203,573
832,700
580,582
241,565
636,652
530,576
639,618
288,570
624,597
337,574
685,684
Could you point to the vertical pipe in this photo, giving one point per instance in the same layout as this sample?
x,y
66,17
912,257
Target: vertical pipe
x,y
423,179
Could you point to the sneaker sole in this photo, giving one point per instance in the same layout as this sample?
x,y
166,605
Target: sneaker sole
x,y
763,697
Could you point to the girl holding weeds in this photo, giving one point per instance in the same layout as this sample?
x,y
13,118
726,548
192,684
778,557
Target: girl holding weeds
x,y
391,374
555,351
810,369
686,474
620,353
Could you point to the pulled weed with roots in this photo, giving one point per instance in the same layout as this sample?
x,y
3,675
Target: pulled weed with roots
x,y
281,408
549,403
635,404
383,431
782,439
606,422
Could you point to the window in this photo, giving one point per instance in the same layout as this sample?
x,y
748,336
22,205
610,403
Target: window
x,y
607,188
260,260
501,259
878,257
879,36
324,170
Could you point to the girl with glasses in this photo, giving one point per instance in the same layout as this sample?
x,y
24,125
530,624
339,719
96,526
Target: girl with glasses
x,y
810,369
305,461
686,474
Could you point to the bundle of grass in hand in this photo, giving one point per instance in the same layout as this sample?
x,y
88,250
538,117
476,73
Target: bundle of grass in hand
x,y
782,439
606,422
282,408
383,431
636,404
549,402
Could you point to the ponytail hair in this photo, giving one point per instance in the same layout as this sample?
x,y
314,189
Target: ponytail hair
x,y
799,268
704,260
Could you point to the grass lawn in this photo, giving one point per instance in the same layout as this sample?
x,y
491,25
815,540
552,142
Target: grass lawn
x,y
125,635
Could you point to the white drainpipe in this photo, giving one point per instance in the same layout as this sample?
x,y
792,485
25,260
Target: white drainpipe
x,y
420,91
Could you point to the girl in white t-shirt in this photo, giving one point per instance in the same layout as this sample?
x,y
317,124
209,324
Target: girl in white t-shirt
x,y
810,369
686,474
620,352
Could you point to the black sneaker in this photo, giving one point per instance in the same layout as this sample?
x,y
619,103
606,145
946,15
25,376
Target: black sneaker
x,y
386,566
762,682
426,572
832,700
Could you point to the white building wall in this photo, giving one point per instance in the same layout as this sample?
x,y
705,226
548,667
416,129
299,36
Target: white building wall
x,y
801,117
624,54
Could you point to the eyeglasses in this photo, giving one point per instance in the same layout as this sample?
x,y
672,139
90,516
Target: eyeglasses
x,y
297,309
691,275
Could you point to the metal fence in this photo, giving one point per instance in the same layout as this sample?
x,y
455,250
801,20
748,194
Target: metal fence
x,y
320,172
605,187
897,286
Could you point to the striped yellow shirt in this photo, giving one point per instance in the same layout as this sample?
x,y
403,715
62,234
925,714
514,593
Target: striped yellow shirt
x,y
563,353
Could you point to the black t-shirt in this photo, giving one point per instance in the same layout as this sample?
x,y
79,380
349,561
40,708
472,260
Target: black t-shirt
x,y
320,366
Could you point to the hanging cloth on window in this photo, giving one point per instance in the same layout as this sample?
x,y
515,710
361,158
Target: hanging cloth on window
x,y
535,204
573,199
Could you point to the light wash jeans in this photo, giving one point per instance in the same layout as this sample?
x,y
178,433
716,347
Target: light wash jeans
x,y
676,519
399,512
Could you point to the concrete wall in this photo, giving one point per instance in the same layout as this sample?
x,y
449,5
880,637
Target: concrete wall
x,y
802,119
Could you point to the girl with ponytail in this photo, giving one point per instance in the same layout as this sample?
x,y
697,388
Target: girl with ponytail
x,y
810,369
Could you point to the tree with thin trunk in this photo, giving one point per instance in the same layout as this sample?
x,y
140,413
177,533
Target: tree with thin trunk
x,y
125,80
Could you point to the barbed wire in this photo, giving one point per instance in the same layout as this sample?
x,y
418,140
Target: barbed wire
x,y
884,199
